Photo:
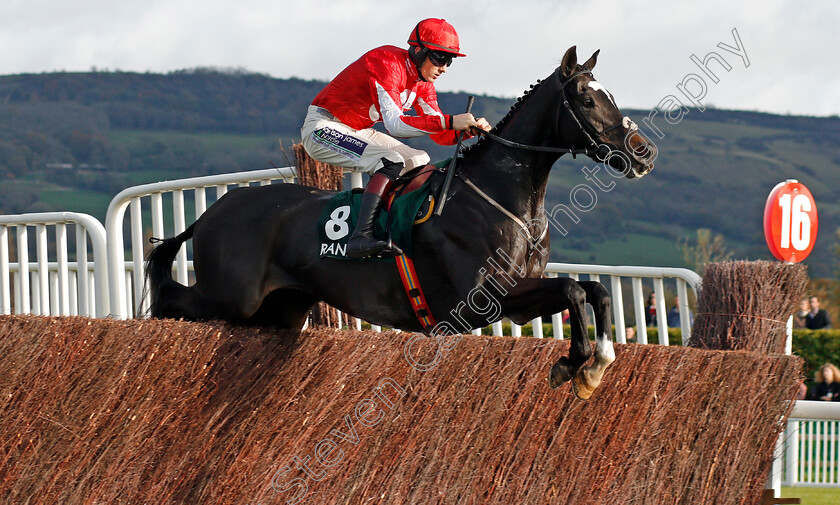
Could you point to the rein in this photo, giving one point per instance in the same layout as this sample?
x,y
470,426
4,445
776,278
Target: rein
x,y
561,150
601,151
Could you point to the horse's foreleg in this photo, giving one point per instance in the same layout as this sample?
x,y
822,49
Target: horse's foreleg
x,y
533,298
589,377
579,352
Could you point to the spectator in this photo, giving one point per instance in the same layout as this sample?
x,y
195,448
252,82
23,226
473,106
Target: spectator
x,y
817,318
827,387
799,318
674,314
630,335
803,391
650,313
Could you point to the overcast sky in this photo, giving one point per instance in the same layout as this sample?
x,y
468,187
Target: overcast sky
x,y
792,47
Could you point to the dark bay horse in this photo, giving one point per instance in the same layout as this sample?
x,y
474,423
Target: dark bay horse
x,y
256,250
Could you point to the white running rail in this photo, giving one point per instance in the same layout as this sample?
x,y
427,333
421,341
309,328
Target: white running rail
x,y
164,205
811,447
57,287
126,291
682,277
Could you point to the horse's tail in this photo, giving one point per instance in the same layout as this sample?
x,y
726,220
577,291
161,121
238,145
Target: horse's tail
x,y
159,267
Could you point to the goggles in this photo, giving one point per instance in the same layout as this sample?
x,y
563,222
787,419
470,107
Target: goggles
x,y
441,59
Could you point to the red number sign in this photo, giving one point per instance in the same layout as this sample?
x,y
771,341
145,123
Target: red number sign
x,y
790,221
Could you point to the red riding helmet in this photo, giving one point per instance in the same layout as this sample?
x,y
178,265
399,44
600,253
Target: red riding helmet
x,y
435,35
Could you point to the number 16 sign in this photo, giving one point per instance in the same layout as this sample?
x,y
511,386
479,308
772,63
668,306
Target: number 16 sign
x,y
790,221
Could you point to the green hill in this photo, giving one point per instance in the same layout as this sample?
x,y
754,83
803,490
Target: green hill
x,y
715,170
70,141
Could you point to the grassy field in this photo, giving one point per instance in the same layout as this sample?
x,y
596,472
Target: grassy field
x,y
56,196
138,138
630,249
813,495
78,200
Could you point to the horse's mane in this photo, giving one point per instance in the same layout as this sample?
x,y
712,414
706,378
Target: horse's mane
x,y
513,110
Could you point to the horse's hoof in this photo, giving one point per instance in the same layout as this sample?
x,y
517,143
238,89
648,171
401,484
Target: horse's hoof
x,y
560,374
581,389
553,382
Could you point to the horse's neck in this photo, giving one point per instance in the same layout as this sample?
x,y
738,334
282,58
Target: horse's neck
x,y
516,178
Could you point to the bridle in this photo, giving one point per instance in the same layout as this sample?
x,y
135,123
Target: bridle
x,y
581,120
600,150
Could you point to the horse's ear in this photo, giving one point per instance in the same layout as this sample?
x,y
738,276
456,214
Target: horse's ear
x,y
590,63
569,62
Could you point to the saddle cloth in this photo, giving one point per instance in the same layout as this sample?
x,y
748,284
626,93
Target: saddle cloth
x,y
411,203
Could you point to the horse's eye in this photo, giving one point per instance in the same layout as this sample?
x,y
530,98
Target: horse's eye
x,y
588,102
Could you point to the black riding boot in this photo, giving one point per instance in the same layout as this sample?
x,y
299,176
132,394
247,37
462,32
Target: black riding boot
x,y
362,243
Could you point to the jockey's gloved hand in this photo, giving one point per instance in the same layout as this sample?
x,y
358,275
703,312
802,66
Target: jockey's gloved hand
x,y
466,121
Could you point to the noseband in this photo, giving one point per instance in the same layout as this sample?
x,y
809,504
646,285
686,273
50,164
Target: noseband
x,y
583,123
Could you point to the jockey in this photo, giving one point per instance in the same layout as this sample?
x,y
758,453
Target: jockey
x,y
381,86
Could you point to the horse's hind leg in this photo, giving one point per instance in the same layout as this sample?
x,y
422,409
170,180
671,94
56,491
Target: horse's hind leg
x,y
589,377
175,301
284,308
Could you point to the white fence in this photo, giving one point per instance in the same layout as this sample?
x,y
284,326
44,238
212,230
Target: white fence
x,y
811,450
681,277
164,208
167,200
53,286
680,280
127,283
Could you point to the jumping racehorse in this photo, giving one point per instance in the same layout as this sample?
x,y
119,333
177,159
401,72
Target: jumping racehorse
x,y
256,250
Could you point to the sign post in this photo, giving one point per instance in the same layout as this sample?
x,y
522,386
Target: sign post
x,y
790,229
790,221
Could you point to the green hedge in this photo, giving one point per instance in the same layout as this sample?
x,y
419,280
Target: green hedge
x,y
816,347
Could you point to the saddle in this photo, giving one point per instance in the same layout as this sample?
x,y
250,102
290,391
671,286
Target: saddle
x,y
410,203
414,179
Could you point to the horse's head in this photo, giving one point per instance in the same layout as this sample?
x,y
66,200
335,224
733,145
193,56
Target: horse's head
x,y
591,117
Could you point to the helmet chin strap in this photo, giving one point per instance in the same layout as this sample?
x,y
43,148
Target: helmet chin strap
x,y
418,53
